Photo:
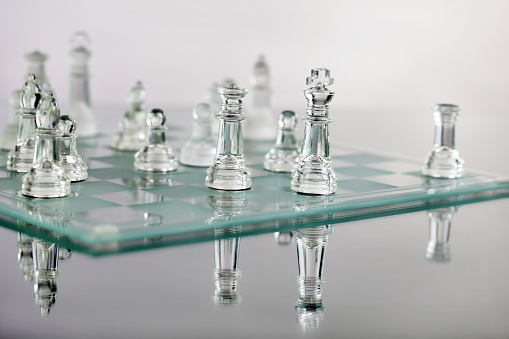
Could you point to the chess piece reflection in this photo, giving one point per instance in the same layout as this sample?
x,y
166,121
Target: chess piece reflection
x,y
311,245
283,238
132,131
46,256
282,157
443,161
8,137
25,258
21,158
226,273
229,171
226,206
259,124
440,221
314,173
80,108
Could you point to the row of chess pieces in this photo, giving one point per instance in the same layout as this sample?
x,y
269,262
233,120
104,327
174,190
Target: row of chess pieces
x,y
39,262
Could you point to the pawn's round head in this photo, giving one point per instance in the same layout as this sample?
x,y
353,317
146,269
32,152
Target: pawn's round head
x,y
201,112
47,115
66,125
156,118
30,95
287,120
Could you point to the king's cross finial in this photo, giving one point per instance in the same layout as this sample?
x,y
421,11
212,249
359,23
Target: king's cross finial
x,y
320,77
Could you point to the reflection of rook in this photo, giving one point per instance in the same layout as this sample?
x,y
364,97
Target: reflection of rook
x,y
311,245
439,231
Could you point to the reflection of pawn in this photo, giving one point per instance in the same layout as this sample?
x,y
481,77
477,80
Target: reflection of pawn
x,y
46,256
25,258
283,238
131,135
443,161
439,231
314,173
311,245
156,156
74,167
46,179
226,273
200,149
79,103
260,122
282,157
20,159
228,171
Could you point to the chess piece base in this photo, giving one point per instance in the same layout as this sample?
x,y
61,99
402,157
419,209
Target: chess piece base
x,y
46,180
155,158
74,167
279,160
314,175
228,173
21,158
443,162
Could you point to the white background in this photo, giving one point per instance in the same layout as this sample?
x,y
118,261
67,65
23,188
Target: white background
x,y
391,60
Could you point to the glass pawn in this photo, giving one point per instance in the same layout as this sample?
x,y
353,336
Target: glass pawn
x,y
80,107
71,162
443,161
314,173
156,156
200,149
261,118
46,179
282,157
131,133
229,171
20,158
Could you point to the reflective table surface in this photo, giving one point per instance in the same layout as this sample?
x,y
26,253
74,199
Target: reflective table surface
x,y
440,274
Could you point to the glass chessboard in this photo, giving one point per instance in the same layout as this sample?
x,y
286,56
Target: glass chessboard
x,y
118,208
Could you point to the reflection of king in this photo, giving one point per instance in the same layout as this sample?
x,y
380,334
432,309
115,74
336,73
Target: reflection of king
x,y
311,245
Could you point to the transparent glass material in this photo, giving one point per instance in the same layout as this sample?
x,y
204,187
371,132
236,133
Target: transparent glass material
x,y
20,158
156,156
258,125
311,246
226,273
440,221
443,161
282,157
314,173
132,128
80,108
46,179
229,171
200,149
45,261
70,161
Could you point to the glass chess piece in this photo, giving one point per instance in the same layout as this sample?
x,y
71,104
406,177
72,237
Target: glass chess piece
x,y
213,98
226,273
70,161
261,119
440,221
283,238
443,161
46,179
156,156
79,99
282,157
45,259
229,171
311,246
314,173
131,133
200,149
20,158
